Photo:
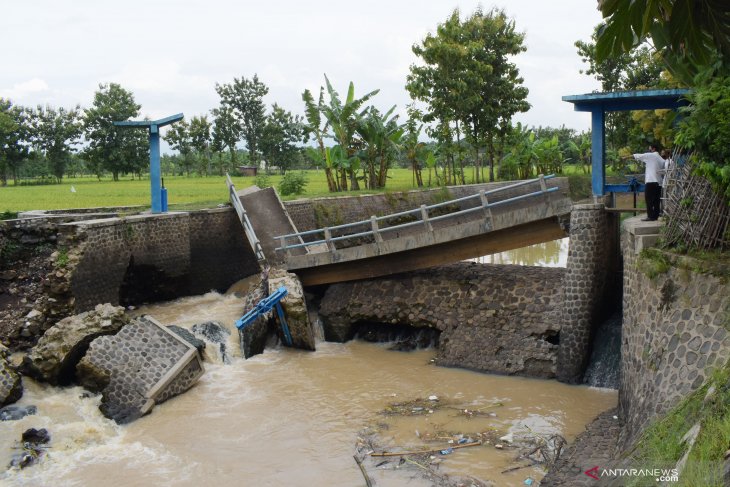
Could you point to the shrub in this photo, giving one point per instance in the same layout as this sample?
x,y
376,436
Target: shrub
x,y
262,181
292,183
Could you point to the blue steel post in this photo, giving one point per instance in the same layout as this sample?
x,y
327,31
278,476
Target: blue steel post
x,y
598,150
155,169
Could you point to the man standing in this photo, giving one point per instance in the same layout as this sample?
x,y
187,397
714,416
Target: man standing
x,y
654,165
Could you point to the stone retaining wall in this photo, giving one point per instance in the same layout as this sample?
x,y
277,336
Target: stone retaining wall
x,y
154,257
219,251
675,331
492,318
585,282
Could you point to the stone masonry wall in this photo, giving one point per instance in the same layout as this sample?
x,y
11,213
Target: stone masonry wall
x,y
492,318
190,253
219,251
584,284
675,332
107,247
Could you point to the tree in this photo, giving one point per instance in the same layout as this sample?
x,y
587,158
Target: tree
x,y
637,69
280,135
706,131
415,150
55,132
315,126
343,119
226,132
244,98
15,139
468,79
689,34
199,131
178,136
381,137
116,149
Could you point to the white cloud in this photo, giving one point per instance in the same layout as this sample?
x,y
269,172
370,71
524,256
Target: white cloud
x,y
171,53
25,90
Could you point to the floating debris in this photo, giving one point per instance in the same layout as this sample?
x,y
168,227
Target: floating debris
x,y
415,407
421,452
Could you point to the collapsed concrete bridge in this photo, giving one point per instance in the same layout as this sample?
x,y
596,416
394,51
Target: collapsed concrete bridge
x,y
484,222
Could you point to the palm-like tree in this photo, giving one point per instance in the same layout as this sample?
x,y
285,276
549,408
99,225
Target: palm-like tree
x,y
381,136
344,118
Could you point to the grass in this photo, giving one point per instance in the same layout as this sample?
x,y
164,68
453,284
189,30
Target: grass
x,y
661,444
184,193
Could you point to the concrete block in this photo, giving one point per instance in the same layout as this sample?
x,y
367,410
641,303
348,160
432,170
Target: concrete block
x,y
142,365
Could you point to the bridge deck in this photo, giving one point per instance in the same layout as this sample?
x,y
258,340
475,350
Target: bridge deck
x,y
504,223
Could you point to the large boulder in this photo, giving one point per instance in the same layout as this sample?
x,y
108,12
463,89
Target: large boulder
x,y
295,308
54,358
253,336
142,365
11,385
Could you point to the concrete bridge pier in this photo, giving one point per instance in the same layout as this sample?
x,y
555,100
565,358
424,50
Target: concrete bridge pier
x,y
590,260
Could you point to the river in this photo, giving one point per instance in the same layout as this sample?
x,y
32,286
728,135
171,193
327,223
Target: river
x,y
293,418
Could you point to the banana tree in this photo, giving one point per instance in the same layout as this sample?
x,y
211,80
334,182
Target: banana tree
x,y
381,137
313,113
343,118
549,156
414,151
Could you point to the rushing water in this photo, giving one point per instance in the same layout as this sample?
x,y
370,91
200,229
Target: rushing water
x,y
291,418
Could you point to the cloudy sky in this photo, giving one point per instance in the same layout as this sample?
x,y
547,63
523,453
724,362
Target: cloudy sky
x,y
171,53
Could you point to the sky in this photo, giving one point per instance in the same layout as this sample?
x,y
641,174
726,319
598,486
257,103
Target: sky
x,y
171,54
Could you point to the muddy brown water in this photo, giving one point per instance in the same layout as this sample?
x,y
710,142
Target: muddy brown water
x,y
292,418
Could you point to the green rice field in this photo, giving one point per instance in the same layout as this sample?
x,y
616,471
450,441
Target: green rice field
x,y
183,192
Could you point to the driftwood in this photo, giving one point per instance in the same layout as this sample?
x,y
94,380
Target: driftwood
x,y
420,452
364,472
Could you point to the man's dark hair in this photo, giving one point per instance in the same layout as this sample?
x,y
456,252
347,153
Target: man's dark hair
x,y
655,147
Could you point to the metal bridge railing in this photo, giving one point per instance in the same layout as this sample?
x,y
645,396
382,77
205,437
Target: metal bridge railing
x,y
424,219
243,217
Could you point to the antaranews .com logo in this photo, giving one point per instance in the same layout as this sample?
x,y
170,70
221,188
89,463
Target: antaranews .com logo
x,y
659,474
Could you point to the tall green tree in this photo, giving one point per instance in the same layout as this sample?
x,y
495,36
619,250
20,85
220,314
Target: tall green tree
x,y
55,133
226,132
15,139
245,98
467,78
118,150
200,140
178,136
281,134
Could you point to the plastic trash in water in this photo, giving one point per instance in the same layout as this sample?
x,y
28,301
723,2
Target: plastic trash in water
x,y
529,481
462,441
447,451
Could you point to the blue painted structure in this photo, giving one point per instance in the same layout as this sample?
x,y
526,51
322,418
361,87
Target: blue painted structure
x,y
600,103
159,201
263,307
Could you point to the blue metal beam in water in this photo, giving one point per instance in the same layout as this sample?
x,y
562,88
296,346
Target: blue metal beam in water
x,y
264,306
